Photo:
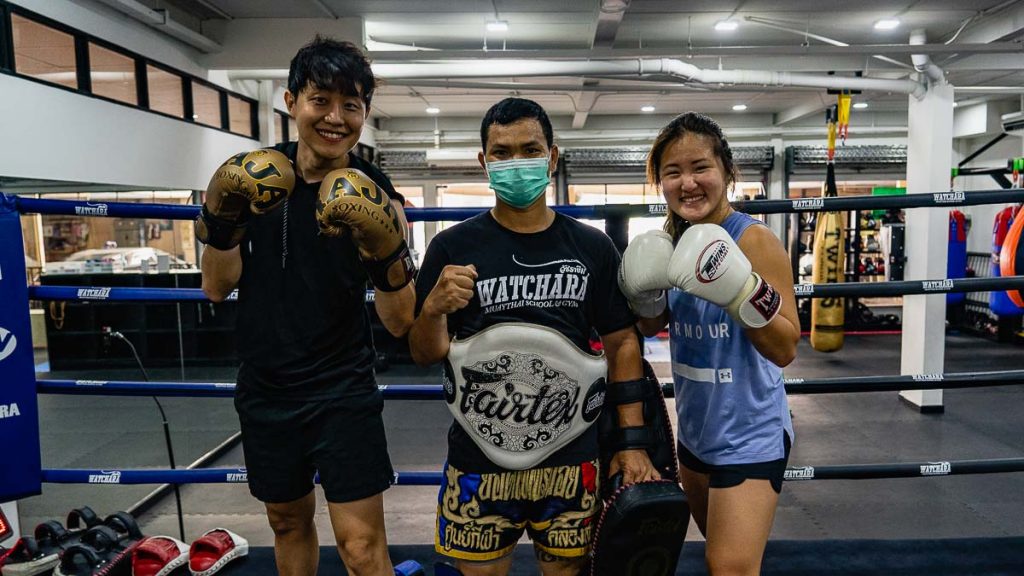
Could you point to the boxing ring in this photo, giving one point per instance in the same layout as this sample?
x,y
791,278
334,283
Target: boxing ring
x,y
24,475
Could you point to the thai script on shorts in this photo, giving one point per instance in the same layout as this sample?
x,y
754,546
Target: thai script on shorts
x,y
560,482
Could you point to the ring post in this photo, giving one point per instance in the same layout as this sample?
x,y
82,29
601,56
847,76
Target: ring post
x,y
21,472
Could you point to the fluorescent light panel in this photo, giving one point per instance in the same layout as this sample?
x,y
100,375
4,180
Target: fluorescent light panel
x,y
887,24
726,25
497,26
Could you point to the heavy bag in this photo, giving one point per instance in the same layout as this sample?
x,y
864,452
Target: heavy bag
x,y
1011,257
956,260
828,314
999,301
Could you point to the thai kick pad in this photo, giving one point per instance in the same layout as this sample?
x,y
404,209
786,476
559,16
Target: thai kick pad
x,y
641,530
213,550
1012,255
655,436
643,525
827,315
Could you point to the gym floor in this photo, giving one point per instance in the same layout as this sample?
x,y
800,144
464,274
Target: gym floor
x,y
115,432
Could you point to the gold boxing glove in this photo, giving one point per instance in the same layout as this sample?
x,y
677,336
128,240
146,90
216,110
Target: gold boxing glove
x,y
351,202
248,183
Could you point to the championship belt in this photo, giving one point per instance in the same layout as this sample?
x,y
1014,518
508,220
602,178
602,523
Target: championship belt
x,y
522,391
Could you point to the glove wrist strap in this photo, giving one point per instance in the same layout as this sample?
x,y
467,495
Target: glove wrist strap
x,y
220,233
380,271
759,306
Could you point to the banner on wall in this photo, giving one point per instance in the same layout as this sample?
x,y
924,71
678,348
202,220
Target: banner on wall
x,y
21,472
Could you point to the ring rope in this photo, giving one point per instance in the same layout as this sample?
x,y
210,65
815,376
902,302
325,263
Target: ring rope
x,y
843,384
896,288
932,200
418,478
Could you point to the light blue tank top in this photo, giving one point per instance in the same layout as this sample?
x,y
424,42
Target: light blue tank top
x,y
730,400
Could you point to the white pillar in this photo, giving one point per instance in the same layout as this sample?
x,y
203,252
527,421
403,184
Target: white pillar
x,y
268,119
429,201
776,189
929,158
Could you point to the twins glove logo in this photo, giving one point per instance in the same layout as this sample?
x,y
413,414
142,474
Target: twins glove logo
x,y
709,263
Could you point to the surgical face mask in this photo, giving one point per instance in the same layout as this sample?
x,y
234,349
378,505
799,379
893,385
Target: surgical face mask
x,y
519,182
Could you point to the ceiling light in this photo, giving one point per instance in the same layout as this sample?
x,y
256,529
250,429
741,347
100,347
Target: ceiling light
x,y
860,105
497,26
647,108
433,110
955,104
739,107
726,25
887,24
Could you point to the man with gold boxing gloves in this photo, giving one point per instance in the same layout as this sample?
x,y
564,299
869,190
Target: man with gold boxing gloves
x,y
299,229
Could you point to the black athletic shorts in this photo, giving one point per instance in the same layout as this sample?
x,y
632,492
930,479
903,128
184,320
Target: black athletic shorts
x,y
286,442
729,475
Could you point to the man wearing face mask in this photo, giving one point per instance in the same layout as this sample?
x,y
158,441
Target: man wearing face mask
x,y
508,301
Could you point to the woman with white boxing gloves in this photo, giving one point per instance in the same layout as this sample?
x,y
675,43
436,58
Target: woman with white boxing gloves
x,y
723,283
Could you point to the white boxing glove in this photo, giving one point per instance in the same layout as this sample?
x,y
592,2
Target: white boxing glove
x,y
643,273
708,264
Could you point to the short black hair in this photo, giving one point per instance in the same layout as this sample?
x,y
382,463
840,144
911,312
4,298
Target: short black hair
x,y
510,110
330,64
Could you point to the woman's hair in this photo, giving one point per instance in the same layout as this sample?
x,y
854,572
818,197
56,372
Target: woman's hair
x,y
689,123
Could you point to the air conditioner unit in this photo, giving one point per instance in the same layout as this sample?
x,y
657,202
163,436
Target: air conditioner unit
x,y
1013,123
452,157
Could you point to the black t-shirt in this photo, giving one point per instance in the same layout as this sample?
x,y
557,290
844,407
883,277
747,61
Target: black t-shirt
x,y
303,328
563,277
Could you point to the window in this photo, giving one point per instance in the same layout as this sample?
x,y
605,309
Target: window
x,y
417,238
44,53
240,113
206,105
42,49
112,74
282,128
600,194
165,92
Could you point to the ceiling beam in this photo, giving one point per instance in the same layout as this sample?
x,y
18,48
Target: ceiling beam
x,y
405,138
324,8
609,16
584,103
806,107
1002,27
209,7
985,62
707,51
